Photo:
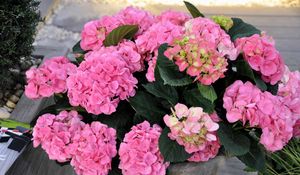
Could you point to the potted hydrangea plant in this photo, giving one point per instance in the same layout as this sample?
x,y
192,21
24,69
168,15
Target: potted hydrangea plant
x,y
149,91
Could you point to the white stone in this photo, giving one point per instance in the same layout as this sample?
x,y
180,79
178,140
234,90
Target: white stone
x,y
10,104
4,114
14,98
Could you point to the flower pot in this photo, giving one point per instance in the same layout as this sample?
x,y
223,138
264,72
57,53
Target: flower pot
x,y
192,168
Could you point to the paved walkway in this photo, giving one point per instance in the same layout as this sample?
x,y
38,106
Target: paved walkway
x,y
62,30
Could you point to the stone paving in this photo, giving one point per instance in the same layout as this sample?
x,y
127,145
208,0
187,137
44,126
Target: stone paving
x,y
62,29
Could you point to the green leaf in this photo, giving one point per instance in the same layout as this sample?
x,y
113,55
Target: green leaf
x,y
138,119
167,92
194,98
79,59
207,92
170,149
147,106
115,166
244,69
77,49
169,71
193,10
260,83
273,88
241,29
120,118
255,158
233,142
13,124
119,33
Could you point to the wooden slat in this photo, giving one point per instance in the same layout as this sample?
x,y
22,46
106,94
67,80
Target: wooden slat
x,y
292,33
34,161
206,10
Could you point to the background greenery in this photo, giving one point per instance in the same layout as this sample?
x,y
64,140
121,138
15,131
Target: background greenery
x,y
18,19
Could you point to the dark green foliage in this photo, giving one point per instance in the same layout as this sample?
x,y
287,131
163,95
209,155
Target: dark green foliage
x,y
160,90
147,106
18,19
255,158
193,10
170,149
119,33
234,142
241,29
244,69
169,71
285,161
193,97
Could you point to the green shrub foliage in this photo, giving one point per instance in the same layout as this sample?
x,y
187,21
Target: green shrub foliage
x,y
18,19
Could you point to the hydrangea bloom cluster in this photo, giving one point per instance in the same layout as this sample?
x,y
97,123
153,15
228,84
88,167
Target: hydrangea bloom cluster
x,y
94,32
49,78
199,58
260,52
289,91
206,29
135,16
139,152
55,133
64,137
245,102
93,148
195,130
129,53
101,81
296,129
177,18
151,39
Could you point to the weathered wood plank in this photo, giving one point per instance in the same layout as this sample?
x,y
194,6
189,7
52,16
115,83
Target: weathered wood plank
x,y
288,45
250,11
34,161
282,32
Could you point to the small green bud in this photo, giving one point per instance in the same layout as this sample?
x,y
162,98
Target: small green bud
x,y
224,21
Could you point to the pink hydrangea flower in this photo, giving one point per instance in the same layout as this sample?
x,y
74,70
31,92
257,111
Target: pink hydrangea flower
x,y
49,78
93,148
151,69
55,133
139,152
240,102
94,32
296,129
289,90
135,16
198,58
129,53
259,51
175,17
195,130
208,30
210,151
101,81
245,102
150,40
